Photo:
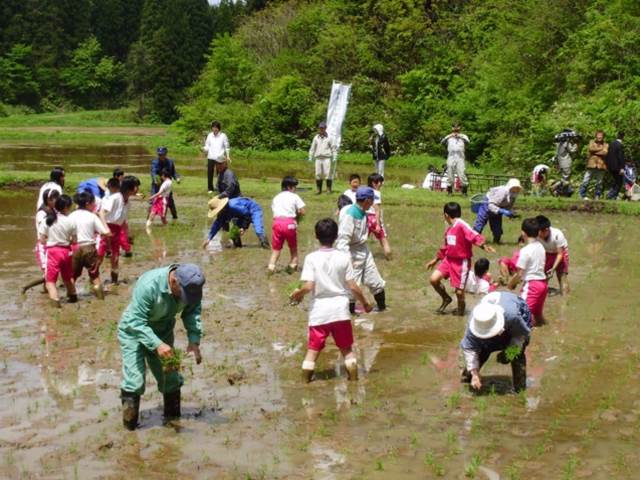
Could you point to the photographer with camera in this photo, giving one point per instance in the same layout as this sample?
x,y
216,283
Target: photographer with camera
x,y
566,151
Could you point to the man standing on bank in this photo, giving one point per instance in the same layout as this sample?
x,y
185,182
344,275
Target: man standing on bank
x,y
323,151
145,334
380,148
217,147
501,322
456,143
615,164
158,164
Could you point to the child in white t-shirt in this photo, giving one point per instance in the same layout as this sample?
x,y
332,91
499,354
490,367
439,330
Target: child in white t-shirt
x,y
287,208
160,200
88,226
531,272
479,281
354,183
328,275
556,247
59,234
374,214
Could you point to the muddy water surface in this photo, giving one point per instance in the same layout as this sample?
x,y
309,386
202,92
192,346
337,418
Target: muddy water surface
x,y
246,413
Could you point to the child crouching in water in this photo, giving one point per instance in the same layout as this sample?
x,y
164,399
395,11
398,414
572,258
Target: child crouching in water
x,y
287,207
59,233
328,276
479,280
160,200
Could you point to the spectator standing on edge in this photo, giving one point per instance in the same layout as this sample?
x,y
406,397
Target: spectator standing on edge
x,y
615,164
323,151
158,164
380,148
566,150
597,153
217,147
456,143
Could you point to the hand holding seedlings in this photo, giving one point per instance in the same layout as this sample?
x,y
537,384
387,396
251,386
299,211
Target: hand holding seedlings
x,y
164,350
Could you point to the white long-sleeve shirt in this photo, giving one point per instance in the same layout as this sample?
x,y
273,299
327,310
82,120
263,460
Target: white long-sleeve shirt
x,y
216,146
322,147
455,145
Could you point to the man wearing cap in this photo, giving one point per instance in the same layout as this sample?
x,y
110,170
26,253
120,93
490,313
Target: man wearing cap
x,y
456,143
242,212
353,233
498,202
145,334
500,321
323,151
217,148
157,165
228,185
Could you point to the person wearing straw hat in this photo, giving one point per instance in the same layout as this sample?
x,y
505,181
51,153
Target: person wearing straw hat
x,y
240,211
501,322
499,202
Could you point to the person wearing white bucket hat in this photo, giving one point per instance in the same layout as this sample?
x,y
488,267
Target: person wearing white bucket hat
x,y
498,202
501,320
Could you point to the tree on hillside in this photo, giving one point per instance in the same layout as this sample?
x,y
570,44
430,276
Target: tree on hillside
x,y
17,77
116,25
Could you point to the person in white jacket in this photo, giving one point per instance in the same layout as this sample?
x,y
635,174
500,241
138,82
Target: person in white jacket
x,y
217,148
456,143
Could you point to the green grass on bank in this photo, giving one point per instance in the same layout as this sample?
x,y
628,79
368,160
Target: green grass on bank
x,y
124,117
264,190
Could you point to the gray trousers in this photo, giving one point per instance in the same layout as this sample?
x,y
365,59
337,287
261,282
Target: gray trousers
x,y
455,166
365,269
379,164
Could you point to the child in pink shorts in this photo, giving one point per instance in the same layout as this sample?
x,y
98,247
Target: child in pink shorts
x,y
159,200
507,265
328,275
59,234
557,252
287,207
374,214
455,257
531,271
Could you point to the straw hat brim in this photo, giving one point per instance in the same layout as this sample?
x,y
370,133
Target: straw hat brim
x,y
219,205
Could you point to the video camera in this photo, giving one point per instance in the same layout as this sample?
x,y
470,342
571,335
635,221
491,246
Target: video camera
x,y
567,135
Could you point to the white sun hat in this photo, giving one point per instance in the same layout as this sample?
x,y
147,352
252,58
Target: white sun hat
x,y
514,183
487,320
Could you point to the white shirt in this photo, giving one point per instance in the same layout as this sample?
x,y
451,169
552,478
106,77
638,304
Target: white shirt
x,y
47,186
455,145
555,242
330,270
377,200
351,194
322,147
165,188
531,261
476,285
61,232
286,204
216,146
87,226
41,215
115,210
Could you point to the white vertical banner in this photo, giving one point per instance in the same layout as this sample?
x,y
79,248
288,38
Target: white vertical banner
x,y
336,111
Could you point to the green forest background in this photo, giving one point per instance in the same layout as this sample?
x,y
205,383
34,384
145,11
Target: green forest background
x,y
513,73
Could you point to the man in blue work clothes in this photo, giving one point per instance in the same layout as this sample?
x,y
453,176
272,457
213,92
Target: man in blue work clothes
x,y
95,186
242,212
498,202
157,165
499,323
145,334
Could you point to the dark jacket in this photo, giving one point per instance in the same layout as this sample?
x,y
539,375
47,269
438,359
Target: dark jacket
x,y
615,157
156,167
228,185
380,147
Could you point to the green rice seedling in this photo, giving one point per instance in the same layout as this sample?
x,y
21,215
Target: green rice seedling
x,y
173,362
292,287
511,352
471,469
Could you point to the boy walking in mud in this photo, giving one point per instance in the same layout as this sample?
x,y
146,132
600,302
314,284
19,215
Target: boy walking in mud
x,y
145,334
455,257
556,250
352,238
530,267
330,278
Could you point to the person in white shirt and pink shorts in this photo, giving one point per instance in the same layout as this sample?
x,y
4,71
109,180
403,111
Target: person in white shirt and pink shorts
x,y
287,207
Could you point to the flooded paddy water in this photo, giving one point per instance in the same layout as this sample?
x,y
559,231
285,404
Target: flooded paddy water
x,y
246,413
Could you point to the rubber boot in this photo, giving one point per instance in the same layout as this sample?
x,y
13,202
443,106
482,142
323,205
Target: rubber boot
x,y
264,243
329,185
352,308
307,375
128,254
381,301
462,305
72,298
172,405
519,372
114,278
130,409
449,190
237,242
319,186
465,188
